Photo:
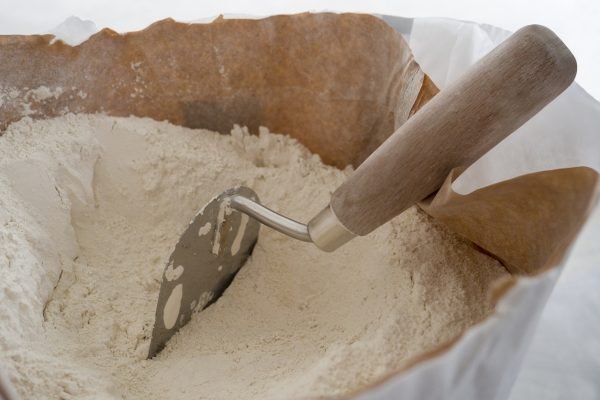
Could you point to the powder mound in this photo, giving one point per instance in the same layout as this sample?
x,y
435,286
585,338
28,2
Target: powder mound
x,y
90,209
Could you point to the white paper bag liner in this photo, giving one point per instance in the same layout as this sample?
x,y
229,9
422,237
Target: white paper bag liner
x,y
564,134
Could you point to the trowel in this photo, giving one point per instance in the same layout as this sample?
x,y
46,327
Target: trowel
x,y
491,100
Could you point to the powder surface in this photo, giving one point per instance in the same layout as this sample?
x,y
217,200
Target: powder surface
x,y
90,209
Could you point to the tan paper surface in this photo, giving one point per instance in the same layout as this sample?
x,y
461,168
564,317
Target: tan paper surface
x,y
526,221
340,84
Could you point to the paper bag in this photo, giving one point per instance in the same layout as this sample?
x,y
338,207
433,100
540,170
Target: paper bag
x,y
341,84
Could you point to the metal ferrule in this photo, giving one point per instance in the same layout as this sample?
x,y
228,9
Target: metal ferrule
x,y
327,231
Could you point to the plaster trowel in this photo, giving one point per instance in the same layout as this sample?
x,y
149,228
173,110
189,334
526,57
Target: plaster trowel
x,y
461,123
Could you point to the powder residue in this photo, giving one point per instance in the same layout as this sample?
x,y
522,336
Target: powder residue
x,y
90,209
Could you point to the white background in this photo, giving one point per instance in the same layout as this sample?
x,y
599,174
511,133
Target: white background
x,y
564,360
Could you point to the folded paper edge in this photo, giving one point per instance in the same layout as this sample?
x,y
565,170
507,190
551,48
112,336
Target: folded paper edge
x,y
533,217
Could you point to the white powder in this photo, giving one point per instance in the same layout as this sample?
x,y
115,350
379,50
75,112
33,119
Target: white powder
x,y
90,209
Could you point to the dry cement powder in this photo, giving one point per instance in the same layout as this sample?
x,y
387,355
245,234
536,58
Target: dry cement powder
x,y
90,209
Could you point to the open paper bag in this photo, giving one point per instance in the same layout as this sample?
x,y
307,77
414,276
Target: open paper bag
x,y
341,84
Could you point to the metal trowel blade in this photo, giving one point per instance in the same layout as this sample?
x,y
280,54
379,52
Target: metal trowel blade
x,y
210,252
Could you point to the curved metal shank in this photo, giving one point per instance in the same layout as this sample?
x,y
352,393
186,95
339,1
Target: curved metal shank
x,y
269,217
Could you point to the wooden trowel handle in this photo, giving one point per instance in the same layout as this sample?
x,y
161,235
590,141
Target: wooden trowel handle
x,y
490,101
